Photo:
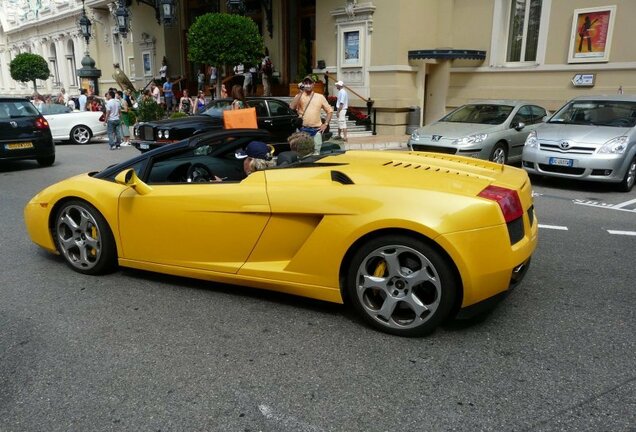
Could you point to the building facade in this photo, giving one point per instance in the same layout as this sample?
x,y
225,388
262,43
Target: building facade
x,y
400,54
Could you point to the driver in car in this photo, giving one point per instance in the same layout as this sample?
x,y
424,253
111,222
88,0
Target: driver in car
x,y
256,156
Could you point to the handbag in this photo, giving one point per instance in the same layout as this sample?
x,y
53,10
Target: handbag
x,y
240,119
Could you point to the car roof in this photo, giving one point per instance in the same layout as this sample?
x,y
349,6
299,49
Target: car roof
x,y
500,102
613,97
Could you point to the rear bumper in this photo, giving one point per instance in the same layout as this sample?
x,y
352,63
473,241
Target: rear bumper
x,y
41,148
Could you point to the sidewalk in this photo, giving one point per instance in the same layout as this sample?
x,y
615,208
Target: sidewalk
x,y
378,142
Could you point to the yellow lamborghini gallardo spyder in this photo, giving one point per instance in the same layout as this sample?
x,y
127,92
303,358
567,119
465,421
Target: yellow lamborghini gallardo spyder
x,y
409,239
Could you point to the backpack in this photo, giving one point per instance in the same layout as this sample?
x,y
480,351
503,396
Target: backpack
x,y
268,67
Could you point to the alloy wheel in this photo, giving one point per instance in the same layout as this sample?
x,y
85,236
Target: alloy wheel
x,y
80,135
79,237
398,287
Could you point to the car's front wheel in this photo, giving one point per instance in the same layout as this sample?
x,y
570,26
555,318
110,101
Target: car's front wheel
x,y
84,239
630,177
81,134
401,285
499,153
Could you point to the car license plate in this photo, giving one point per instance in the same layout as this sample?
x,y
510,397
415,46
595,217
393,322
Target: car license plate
x,y
561,162
18,146
144,146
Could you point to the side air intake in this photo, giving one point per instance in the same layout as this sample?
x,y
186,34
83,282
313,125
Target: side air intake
x,y
340,177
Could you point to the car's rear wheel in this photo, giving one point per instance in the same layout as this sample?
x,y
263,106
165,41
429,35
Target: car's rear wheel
x,y
499,153
46,161
81,134
401,285
84,239
630,177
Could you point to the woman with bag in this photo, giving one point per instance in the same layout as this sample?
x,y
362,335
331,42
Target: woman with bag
x,y
185,103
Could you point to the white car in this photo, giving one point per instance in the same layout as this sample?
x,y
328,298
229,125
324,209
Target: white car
x,y
77,126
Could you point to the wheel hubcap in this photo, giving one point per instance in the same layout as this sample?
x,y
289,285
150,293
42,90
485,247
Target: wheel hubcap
x,y
631,174
78,237
81,135
398,287
499,156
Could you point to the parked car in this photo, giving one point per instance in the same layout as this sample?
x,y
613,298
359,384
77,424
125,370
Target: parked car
x,y
590,138
407,238
494,130
24,132
273,115
76,126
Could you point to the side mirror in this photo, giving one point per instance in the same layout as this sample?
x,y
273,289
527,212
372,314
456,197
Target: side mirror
x,y
518,126
129,178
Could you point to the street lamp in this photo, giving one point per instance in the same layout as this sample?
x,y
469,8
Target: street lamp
x,y
122,17
167,13
88,74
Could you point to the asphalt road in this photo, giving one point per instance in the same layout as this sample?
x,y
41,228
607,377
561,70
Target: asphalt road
x,y
136,351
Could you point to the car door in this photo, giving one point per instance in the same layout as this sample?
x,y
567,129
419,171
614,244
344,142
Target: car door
x,y
206,226
518,138
282,118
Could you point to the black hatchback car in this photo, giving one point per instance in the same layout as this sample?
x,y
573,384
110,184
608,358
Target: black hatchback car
x,y
273,115
24,132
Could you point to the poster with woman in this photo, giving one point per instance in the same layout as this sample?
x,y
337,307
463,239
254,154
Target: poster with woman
x,y
591,36
351,47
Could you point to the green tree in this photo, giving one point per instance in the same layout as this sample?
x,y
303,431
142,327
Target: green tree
x,y
224,40
27,67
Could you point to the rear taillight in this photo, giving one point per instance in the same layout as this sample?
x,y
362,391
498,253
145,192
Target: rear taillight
x,y
41,123
507,199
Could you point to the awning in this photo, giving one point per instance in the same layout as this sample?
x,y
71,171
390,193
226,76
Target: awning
x,y
447,54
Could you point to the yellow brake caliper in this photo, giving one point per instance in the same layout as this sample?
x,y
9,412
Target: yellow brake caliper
x,y
380,269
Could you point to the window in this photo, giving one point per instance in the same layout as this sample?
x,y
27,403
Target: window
x,y
53,65
70,63
523,30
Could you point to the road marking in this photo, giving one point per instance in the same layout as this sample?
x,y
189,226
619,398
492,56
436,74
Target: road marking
x,y
625,204
626,233
554,227
289,422
599,204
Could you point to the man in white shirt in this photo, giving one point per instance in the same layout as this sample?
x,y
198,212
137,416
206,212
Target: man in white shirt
x,y
156,93
112,121
342,104
82,100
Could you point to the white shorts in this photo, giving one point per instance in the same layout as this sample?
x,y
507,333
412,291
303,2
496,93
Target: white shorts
x,y
342,119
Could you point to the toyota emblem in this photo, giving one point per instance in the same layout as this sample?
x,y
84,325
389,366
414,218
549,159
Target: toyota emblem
x,y
564,145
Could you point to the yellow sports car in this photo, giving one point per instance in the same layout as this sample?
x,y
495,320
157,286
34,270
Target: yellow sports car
x,y
409,239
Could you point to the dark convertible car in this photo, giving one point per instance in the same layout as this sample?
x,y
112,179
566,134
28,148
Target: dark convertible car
x,y
273,115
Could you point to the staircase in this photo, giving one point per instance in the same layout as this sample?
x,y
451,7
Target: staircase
x,y
353,130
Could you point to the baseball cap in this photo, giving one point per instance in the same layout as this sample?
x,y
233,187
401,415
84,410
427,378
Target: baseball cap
x,y
339,84
255,150
308,78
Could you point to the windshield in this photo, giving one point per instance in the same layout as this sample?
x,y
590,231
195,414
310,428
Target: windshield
x,y
17,109
597,113
480,113
216,108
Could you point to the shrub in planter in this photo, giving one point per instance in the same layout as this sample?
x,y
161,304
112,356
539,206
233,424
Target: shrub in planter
x,y
178,114
149,110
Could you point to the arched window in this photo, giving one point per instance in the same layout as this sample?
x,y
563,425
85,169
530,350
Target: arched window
x,y
70,63
53,65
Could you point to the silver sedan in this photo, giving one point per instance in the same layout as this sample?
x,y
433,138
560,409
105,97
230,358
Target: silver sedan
x,y
491,129
590,138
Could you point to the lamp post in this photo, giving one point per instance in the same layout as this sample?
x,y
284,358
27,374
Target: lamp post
x,y
165,13
88,74
122,17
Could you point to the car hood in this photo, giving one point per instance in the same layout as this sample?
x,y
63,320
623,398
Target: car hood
x,y
452,130
583,134
183,122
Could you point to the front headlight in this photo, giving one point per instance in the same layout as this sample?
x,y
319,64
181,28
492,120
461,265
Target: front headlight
x,y
616,145
471,139
531,140
160,134
416,134
166,134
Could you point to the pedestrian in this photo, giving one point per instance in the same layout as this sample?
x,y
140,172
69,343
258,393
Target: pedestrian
x,y
213,77
309,105
126,117
82,100
238,97
163,70
168,95
155,92
199,105
112,120
200,80
267,70
251,76
342,104
185,103
38,102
